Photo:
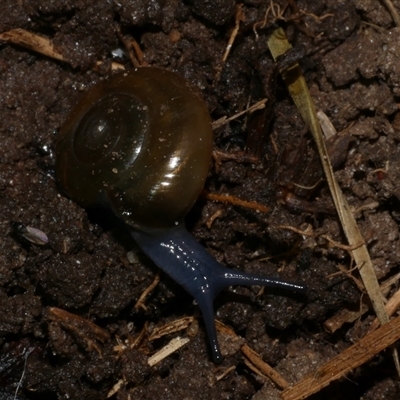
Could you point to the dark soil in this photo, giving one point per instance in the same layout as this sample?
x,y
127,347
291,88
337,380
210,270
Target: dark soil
x,y
93,270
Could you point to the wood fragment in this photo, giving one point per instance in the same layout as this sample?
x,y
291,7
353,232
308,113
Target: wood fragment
x,y
32,41
76,323
131,342
225,329
346,361
391,307
115,66
240,157
235,201
174,345
84,330
344,316
388,283
116,388
348,316
263,367
172,327
213,217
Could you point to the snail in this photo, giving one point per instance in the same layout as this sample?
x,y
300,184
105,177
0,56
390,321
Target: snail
x,y
140,144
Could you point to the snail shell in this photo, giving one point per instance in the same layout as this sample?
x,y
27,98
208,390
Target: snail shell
x,y
140,142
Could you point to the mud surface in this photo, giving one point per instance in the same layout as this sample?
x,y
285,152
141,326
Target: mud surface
x,y
92,269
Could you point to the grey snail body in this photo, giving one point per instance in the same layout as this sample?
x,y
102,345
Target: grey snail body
x,y
140,143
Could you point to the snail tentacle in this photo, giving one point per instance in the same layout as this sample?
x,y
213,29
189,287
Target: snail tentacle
x,y
188,263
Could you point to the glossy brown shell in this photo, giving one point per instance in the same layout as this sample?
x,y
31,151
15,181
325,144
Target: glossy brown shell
x,y
140,142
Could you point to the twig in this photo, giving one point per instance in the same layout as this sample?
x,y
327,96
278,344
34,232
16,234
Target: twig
x,y
171,327
236,201
263,367
81,327
351,358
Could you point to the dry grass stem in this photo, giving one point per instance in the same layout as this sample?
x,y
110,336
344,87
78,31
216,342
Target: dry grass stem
x,y
174,345
393,11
